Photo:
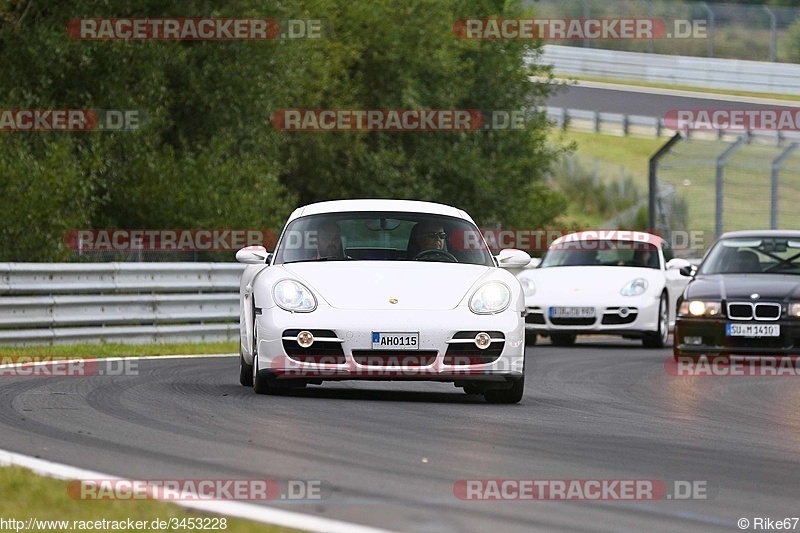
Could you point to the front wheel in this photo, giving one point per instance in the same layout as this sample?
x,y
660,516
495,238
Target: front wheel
x,y
659,337
530,338
512,395
245,371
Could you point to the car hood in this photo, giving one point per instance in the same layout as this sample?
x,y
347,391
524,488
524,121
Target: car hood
x,y
741,286
587,281
371,284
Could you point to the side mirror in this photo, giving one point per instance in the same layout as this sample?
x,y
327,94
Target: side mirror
x,y
252,255
677,263
688,271
513,258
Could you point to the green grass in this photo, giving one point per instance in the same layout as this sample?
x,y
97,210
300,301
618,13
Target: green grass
x,y
31,496
614,152
690,167
120,350
636,83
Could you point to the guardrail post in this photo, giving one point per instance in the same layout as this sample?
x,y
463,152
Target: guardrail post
x,y
597,121
625,125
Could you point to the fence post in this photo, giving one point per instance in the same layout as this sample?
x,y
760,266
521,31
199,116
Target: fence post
x,y
773,34
719,181
653,179
776,169
711,26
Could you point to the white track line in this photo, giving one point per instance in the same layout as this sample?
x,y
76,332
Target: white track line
x,y
247,511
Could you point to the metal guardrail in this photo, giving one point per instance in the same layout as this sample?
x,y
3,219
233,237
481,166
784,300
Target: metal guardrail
x,y
709,73
44,303
617,123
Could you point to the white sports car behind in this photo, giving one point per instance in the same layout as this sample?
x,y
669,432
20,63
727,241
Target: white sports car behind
x,y
382,290
603,282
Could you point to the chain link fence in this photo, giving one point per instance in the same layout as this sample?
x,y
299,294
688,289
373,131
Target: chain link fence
x,y
706,186
732,31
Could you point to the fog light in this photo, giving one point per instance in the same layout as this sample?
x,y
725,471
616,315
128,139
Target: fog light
x,y
623,312
305,339
694,341
483,340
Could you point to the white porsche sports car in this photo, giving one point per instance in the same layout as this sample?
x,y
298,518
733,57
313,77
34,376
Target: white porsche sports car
x,y
382,290
603,282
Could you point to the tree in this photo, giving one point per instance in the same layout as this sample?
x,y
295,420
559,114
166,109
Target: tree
x,y
206,155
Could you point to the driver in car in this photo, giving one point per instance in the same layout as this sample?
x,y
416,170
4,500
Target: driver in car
x,y
426,236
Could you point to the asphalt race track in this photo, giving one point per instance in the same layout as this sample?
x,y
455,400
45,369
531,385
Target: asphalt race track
x,y
388,454
646,101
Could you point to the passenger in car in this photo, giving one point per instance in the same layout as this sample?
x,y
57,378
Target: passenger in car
x,y
329,241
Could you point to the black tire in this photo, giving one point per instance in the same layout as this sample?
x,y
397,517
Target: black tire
x,y
512,395
245,371
659,338
472,389
260,381
562,339
530,338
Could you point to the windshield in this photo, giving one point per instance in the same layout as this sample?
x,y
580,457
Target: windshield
x,y
602,253
753,255
382,236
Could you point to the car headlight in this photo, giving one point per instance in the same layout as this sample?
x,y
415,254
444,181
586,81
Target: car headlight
x,y
293,296
528,287
699,308
794,310
634,287
491,297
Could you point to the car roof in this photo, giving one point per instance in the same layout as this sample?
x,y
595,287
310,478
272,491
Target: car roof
x,y
409,206
795,234
609,234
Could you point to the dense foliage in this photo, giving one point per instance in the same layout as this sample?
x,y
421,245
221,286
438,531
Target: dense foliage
x,y
206,155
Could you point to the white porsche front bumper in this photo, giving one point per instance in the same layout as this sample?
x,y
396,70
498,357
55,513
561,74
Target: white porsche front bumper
x,y
344,349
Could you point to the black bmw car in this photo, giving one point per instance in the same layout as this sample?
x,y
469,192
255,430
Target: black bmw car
x,y
744,298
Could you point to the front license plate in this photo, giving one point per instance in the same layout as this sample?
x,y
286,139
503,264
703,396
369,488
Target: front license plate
x,y
395,341
572,312
752,330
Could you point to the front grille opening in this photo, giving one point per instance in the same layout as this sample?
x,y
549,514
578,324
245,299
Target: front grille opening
x,y
395,359
587,321
466,353
740,311
535,318
768,311
321,352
